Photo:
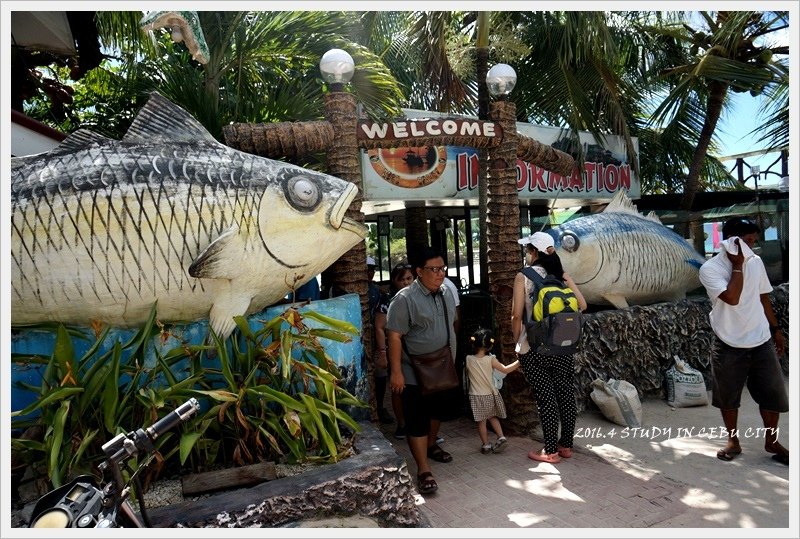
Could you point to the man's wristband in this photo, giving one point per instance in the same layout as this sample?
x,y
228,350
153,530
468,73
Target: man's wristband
x,y
737,271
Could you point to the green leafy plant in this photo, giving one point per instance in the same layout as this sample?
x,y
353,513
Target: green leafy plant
x,y
276,395
269,394
85,401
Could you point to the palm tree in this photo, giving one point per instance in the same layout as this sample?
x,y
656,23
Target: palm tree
x,y
720,51
262,68
574,74
775,127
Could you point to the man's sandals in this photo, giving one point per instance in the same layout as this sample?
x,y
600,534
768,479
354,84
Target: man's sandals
x,y
426,484
438,454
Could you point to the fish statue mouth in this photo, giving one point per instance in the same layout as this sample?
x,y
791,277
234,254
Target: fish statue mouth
x,y
338,214
350,225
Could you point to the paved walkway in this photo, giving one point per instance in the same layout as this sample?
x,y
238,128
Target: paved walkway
x,y
655,478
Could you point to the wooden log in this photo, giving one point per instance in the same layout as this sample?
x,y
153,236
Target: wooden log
x,y
243,476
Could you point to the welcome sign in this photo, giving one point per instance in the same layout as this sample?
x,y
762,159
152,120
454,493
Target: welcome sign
x,y
407,170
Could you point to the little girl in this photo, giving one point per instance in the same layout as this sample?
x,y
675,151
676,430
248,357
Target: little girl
x,y
484,399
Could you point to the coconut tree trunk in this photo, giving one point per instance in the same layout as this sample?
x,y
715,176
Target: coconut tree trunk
x,y
504,259
481,69
349,273
716,98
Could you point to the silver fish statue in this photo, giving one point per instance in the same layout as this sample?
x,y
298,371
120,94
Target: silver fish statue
x,y
102,229
621,257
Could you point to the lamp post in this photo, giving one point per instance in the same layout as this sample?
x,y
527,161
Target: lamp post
x,y
502,215
337,68
349,272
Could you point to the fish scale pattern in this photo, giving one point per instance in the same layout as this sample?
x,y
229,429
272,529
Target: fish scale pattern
x,y
130,224
639,259
102,229
137,238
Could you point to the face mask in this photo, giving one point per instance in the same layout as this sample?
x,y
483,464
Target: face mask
x,y
528,258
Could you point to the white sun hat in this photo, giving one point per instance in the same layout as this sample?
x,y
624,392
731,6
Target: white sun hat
x,y
541,240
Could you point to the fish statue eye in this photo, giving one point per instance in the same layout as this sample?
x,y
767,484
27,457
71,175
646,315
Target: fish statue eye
x,y
570,242
303,193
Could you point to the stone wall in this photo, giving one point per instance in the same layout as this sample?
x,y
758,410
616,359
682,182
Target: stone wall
x,y
637,345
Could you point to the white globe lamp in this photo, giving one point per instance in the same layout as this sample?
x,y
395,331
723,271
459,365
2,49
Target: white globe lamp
x,y
500,79
337,67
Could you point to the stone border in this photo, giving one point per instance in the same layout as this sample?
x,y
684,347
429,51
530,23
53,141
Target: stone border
x,y
373,483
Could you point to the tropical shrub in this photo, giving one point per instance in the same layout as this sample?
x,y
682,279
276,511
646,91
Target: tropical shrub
x,y
276,395
267,394
84,402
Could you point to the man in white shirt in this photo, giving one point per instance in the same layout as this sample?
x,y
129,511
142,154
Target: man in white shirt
x,y
748,337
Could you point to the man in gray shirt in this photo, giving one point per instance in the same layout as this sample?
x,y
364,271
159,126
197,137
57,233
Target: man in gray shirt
x,y
421,316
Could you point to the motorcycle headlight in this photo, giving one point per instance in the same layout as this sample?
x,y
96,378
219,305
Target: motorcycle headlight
x,y
54,518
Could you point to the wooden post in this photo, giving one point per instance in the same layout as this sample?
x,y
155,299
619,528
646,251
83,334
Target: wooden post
x,y
505,260
503,251
349,273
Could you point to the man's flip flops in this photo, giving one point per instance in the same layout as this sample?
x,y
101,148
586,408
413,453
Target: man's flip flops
x,y
728,454
783,458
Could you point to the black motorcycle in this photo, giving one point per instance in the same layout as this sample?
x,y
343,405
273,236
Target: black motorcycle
x,y
85,503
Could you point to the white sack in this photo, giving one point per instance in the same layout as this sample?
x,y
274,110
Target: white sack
x,y
685,386
619,402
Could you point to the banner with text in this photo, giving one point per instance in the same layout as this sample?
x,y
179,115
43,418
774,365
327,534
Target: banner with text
x,y
405,171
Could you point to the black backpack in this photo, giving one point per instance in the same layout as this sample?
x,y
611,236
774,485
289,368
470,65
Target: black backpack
x,y
555,325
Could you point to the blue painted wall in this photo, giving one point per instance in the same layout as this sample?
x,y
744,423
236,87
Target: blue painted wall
x,y
348,356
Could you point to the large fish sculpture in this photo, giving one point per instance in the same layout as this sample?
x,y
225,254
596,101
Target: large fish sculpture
x,y
621,257
102,229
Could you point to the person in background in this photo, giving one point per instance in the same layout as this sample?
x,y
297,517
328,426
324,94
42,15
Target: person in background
x,y
484,398
454,291
400,277
308,291
380,365
749,339
551,377
421,316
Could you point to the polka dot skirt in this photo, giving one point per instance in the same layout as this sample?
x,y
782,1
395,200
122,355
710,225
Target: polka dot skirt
x,y
553,379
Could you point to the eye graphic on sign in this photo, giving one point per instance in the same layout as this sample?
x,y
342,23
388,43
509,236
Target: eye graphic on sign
x,y
409,166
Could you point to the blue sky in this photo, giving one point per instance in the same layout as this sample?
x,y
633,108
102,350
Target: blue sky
x,y
733,132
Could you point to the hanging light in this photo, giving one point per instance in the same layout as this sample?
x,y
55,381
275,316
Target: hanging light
x,y
500,80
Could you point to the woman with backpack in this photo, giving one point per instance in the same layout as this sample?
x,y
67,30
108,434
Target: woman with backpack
x,y
552,376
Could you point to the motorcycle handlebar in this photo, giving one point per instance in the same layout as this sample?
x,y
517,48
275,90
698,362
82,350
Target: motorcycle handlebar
x,y
141,440
172,419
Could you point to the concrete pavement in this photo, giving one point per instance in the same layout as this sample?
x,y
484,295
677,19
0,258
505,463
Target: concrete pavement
x,y
656,477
